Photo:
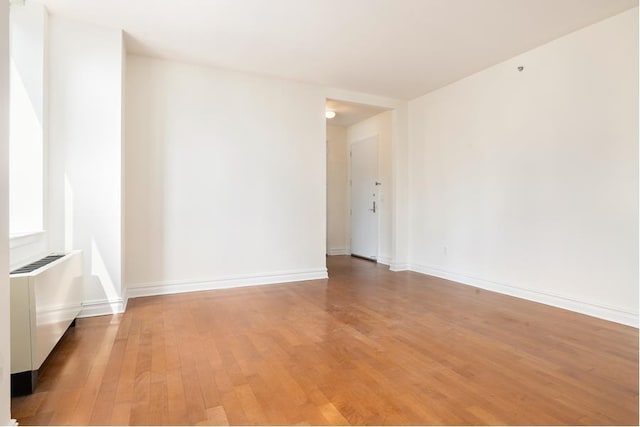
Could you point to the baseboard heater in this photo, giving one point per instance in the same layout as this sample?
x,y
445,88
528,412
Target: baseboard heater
x,y
46,297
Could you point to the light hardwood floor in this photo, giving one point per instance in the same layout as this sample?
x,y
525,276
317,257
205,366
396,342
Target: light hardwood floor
x,y
366,346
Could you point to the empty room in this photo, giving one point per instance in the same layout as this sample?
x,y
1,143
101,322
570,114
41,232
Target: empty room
x,y
319,212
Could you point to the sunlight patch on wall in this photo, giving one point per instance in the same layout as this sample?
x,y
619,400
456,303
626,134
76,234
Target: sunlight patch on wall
x,y
26,154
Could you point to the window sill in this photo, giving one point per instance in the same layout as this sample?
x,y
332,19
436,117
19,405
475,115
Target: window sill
x,y
23,239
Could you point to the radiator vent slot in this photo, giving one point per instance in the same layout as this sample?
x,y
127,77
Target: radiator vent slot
x,y
37,264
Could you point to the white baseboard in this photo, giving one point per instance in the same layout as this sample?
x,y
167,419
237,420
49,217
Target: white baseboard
x,y
102,307
398,266
601,312
338,251
136,290
13,423
384,260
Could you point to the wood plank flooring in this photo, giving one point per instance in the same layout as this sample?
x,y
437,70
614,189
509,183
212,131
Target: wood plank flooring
x,y
365,347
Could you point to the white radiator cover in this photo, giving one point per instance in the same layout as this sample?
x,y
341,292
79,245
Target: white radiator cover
x,y
43,305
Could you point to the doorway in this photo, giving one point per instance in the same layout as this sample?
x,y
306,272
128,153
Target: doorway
x,y
359,138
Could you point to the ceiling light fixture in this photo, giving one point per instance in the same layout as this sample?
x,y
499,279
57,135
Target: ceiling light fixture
x,y
330,114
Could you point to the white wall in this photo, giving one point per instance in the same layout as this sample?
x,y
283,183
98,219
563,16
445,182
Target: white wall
x,y
337,191
123,97
85,164
527,182
381,126
225,179
28,26
400,187
26,115
5,341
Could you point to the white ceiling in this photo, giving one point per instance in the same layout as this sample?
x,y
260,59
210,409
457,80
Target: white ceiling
x,y
394,48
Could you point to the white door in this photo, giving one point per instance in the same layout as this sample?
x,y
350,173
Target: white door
x,y
364,198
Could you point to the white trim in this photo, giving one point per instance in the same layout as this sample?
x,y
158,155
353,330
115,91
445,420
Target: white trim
x,y
136,290
384,260
23,239
599,311
102,307
338,251
13,422
398,266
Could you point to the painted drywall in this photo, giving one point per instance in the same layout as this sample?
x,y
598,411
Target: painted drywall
x,y
527,182
26,118
123,121
85,164
381,126
400,185
5,341
337,191
226,179
28,26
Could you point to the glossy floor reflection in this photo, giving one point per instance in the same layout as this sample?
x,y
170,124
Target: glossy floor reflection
x,y
366,346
